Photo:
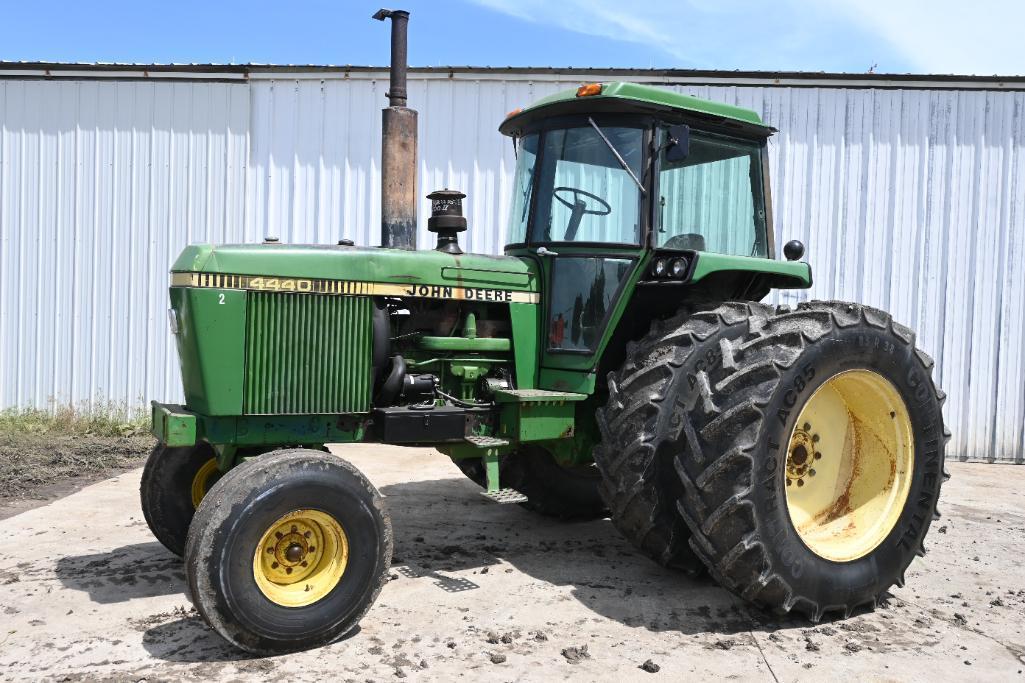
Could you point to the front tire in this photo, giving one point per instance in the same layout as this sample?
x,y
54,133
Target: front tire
x,y
174,481
812,472
288,551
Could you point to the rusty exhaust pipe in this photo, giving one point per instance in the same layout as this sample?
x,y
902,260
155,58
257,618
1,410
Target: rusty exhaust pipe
x,y
398,145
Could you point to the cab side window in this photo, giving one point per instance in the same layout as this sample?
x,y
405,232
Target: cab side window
x,y
713,199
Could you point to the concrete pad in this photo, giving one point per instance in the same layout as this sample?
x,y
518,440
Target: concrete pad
x,y
85,592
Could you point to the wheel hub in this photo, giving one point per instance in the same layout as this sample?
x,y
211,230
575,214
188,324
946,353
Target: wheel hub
x,y
295,553
301,558
849,464
802,454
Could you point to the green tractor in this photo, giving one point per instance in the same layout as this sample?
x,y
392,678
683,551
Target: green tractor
x,y
615,362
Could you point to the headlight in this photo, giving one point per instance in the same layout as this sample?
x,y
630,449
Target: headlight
x,y
659,268
678,268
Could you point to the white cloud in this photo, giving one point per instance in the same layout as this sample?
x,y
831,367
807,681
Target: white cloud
x,y
603,18
939,36
726,34
948,36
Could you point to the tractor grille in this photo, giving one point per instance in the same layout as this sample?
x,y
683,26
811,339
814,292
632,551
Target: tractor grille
x,y
307,353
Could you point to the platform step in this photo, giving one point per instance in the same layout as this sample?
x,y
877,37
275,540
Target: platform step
x,y
487,441
536,396
504,496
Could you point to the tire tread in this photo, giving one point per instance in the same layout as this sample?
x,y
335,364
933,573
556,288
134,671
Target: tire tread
x,y
712,504
636,426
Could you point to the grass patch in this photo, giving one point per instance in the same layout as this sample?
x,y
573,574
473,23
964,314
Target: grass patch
x,y
108,420
40,448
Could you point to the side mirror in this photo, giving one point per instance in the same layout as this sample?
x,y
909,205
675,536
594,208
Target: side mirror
x,y
678,143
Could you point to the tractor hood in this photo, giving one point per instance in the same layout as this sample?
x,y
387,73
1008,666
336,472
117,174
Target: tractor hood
x,y
360,270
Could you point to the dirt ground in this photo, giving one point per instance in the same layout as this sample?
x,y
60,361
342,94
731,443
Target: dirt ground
x,y
481,590
42,466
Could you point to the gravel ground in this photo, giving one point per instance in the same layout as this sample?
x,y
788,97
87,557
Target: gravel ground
x,y
491,591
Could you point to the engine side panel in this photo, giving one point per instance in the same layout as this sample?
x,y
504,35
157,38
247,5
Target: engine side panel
x,y
209,328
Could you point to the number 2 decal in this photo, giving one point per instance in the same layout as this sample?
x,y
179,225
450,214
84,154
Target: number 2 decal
x,y
220,299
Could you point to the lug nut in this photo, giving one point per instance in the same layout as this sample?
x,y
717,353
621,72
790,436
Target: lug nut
x,y
270,550
305,563
288,570
273,565
800,482
294,529
278,535
815,438
311,549
807,426
811,473
307,534
818,456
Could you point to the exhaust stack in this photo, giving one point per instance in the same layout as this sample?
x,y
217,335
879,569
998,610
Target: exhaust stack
x,y
398,145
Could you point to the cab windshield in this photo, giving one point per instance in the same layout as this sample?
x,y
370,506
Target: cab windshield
x,y
586,185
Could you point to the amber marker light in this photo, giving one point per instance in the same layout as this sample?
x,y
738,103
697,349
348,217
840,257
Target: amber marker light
x,y
514,112
589,89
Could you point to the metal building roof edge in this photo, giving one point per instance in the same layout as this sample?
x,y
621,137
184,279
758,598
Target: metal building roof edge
x,y
241,72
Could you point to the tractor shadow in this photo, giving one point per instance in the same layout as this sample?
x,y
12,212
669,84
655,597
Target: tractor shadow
x,y
445,525
148,570
189,640
140,570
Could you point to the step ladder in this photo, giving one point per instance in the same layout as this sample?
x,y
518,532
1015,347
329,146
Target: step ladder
x,y
490,446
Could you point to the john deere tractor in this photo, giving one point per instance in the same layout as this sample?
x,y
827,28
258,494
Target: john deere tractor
x,y
616,361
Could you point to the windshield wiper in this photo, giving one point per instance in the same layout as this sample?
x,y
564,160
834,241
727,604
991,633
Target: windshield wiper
x,y
615,153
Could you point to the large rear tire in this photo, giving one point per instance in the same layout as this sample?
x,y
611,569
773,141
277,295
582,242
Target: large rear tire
x,y
552,490
641,425
288,551
814,462
174,481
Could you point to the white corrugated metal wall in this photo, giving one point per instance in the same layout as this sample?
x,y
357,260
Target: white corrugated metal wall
x,y
101,184
908,199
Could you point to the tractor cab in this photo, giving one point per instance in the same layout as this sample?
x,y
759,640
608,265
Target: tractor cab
x,y
620,191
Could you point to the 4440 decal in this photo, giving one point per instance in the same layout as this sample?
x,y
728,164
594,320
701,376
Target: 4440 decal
x,y
264,283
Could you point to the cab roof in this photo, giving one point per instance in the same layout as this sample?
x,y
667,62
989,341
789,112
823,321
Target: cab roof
x,y
634,98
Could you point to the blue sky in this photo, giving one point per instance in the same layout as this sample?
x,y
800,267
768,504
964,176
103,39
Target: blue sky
x,y
895,36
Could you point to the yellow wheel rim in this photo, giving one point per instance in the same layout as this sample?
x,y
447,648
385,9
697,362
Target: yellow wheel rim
x,y
206,476
849,464
301,558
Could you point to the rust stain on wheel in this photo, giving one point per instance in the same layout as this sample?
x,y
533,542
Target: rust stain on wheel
x,y
850,460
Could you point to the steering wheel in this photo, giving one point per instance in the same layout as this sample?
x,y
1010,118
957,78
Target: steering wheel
x,y
577,193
